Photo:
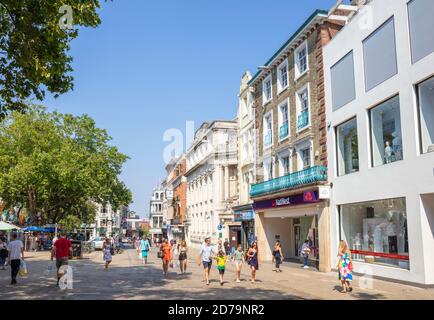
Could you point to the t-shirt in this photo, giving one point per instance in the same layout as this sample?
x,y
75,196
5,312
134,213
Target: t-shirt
x,y
238,255
144,245
206,252
14,248
221,262
62,248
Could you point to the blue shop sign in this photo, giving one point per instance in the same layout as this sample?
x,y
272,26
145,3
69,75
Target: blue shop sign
x,y
244,216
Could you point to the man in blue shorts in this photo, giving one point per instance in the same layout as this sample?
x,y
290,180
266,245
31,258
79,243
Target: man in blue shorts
x,y
206,256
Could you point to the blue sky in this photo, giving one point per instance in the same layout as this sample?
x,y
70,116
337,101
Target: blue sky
x,y
153,65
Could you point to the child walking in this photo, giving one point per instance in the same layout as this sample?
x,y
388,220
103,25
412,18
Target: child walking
x,y
239,260
221,264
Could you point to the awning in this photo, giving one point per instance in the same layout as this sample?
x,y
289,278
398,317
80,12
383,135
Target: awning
x,y
36,229
8,227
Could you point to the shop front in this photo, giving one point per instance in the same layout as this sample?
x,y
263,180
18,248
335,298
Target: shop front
x,y
247,232
293,220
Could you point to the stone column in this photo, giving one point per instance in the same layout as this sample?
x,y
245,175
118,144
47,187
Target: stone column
x,y
324,239
226,182
263,250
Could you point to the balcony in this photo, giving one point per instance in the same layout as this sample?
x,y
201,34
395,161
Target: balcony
x,y
303,120
268,139
296,179
283,131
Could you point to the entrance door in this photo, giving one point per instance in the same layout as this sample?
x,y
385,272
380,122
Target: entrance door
x,y
297,237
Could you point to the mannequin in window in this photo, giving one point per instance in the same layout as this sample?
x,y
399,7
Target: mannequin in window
x,y
388,153
397,143
392,234
378,238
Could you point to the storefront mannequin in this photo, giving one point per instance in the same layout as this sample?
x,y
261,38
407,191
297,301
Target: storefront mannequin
x,y
392,234
388,152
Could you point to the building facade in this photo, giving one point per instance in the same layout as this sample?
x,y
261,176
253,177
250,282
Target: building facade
x,y
291,146
107,222
156,214
244,212
379,73
211,176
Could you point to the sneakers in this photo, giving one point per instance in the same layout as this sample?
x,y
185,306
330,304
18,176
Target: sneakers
x,y
14,281
305,267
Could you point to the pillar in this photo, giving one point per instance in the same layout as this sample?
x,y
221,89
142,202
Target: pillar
x,y
324,239
226,182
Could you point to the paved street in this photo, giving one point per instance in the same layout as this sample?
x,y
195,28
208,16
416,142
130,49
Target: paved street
x,y
128,279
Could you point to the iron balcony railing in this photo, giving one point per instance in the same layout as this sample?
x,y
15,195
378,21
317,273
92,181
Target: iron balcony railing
x,y
296,179
303,120
283,131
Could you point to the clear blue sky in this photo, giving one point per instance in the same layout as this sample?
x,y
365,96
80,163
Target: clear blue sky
x,y
153,65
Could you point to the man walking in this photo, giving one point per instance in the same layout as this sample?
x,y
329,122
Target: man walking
x,y
15,254
62,250
206,256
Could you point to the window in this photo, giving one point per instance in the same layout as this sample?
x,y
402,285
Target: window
x,y
386,140
268,169
420,13
283,121
304,155
267,90
268,130
347,147
303,118
284,164
301,60
426,115
282,76
376,231
380,55
343,82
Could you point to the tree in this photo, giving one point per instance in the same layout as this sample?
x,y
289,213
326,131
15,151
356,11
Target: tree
x,y
34,47
54,164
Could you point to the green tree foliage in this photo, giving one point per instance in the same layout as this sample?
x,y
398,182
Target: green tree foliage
x,y
54,164
34,47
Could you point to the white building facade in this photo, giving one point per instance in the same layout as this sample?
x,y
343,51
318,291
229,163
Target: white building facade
x,y
156,214
212,183
379,74
108,221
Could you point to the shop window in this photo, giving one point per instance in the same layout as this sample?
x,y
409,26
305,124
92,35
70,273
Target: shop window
x,y
376,231
347,147
343,82
426,115
420,17
386,140
380,55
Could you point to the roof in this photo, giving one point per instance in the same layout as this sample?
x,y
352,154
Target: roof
x,y
309,21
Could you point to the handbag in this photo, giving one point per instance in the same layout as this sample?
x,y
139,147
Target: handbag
x,y
160,254
23,269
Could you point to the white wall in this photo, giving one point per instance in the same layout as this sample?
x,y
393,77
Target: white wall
x,y
408,178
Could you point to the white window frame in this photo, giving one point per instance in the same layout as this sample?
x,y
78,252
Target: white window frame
x,y
280,118
281,156
265,130
298,107
264,95
299,148
267,163
280,86
298,73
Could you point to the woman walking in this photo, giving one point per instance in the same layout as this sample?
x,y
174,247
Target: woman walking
x,y
278,256
252,259
345,267
238,258
3,253
182,248
107,251
305,252
144,249
166,250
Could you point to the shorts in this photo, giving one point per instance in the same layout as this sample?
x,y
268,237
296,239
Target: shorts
x,y
207,264
238,264
221,271
61,262
278,261
144,253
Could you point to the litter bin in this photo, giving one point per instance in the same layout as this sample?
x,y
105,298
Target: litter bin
x,y
77,249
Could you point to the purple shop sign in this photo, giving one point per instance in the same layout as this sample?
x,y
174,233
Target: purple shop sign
x,y
299,199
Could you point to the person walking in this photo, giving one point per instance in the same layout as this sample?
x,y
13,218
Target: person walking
x,y
167,259
62,250
278,256
205,258
107,252
252,259
239,260
227,247
305,252
345,267
182,249
3,252
221,264
144,248
15,255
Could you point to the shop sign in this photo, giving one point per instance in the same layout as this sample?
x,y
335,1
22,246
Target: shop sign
x,y
324,192
299,199
244,216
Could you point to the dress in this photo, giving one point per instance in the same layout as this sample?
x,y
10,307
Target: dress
x,y
167,252
253,260
182,254
144,247
345,267
107,254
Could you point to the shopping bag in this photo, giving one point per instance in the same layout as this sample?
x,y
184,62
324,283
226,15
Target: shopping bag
x,y
23,269
49,268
